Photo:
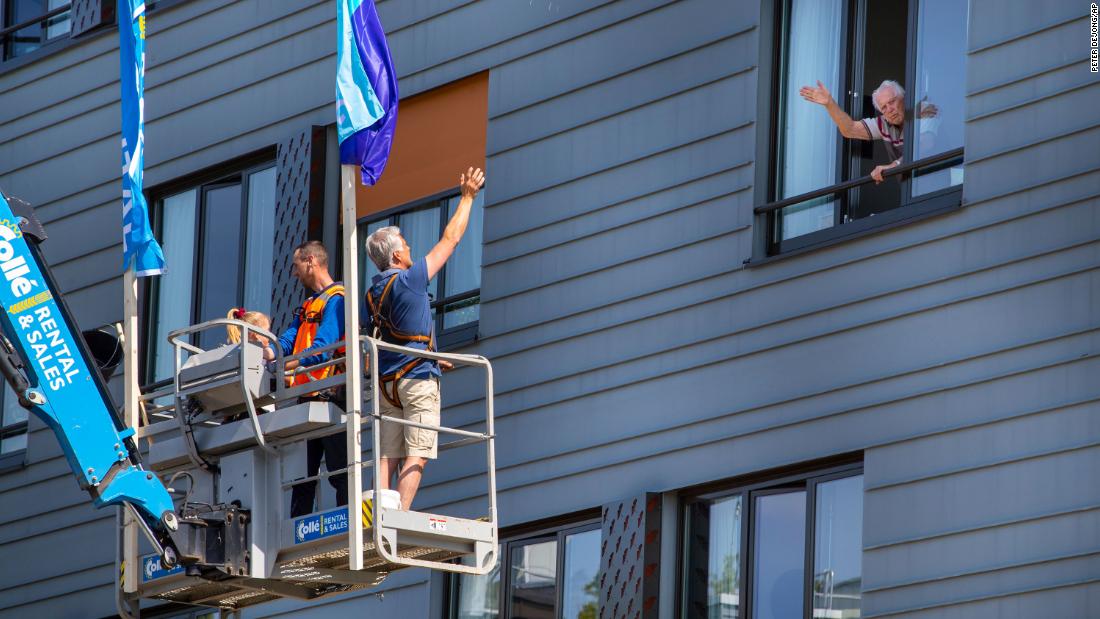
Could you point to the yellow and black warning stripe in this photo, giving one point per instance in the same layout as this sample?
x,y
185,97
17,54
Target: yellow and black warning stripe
x,y
368,513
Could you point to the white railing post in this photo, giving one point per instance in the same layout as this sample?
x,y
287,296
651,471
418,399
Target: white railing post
x,y
132,416
353,366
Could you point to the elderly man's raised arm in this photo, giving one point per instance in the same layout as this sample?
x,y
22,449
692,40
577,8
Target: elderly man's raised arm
x,y
469,183
849,128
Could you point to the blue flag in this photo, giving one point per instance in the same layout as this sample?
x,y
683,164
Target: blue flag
x,y
366,89
138,243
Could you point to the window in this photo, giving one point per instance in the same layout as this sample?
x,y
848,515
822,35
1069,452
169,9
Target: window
x,y
787,548
443,132
851,47
550,575
218,240
13,429
38,30
455,290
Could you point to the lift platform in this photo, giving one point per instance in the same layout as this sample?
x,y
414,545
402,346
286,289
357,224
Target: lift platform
x,y
209,430
228,434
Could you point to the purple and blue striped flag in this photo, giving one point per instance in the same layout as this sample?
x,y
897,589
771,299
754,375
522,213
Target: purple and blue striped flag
x,y
366,89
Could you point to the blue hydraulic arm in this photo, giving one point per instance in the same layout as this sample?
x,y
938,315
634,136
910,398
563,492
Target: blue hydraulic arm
x,y
47,363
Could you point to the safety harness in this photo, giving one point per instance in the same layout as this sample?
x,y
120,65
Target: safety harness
x,y
384,330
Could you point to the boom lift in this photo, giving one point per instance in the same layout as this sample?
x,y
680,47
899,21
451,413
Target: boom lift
x,y
219,527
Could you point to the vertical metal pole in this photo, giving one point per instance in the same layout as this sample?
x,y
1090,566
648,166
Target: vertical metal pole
x,y
132,417
354,365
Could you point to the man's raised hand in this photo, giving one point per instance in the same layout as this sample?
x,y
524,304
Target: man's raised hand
x,y
470,183
819,95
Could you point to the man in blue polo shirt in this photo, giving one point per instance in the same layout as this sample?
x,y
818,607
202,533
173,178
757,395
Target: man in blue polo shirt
x,y
399,311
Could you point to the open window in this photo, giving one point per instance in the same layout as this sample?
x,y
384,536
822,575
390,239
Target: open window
x,y
818,184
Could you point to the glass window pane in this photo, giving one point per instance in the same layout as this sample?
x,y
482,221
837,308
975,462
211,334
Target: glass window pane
x,y
533,575
221,258
12,412
28,39
779,551
462,312
808,138
464,265
260,241
14,442
838,548
478,596
713,578
421,231
58,25
367,270
581,596
941,88
174,295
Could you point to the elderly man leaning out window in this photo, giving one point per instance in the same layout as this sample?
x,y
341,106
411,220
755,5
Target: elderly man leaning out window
x,y
888,125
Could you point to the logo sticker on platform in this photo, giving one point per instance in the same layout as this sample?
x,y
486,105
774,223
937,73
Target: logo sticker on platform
x,y
152,568
322,525
437,524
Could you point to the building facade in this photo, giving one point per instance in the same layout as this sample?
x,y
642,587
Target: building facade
x,y
876,401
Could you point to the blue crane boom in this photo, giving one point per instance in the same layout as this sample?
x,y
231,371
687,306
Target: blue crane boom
x,y
47,363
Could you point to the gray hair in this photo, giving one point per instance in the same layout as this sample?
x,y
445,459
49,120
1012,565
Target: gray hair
x,y
381,245
898,90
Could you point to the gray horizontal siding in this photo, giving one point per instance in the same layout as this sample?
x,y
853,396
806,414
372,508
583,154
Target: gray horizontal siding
x,y
959,354
1000,518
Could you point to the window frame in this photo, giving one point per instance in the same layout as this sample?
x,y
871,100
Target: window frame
x,y
773,72
446,339
59,43
557,533
804,479
39,21
201,182
17,458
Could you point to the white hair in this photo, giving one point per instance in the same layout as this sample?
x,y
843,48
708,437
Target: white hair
x,y
896,87
381,245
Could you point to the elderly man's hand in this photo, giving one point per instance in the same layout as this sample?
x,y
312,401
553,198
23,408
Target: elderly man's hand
x,y
928,110
470,183
819,95
876,174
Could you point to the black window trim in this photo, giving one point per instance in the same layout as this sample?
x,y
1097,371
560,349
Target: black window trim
x,y
523,537
446,339
804,477
17,458
913,209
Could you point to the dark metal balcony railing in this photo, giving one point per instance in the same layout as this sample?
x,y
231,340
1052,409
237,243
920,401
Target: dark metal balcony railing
x,y
40,20
863,180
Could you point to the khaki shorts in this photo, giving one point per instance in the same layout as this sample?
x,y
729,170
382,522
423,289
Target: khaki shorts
x,y
420,398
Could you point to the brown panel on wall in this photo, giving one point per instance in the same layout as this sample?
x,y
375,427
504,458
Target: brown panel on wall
x,y
439,134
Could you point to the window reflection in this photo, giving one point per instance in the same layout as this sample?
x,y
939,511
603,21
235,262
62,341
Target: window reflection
x,y
940,89
221,254
478,596
779,551
838,551
581,581
533,581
